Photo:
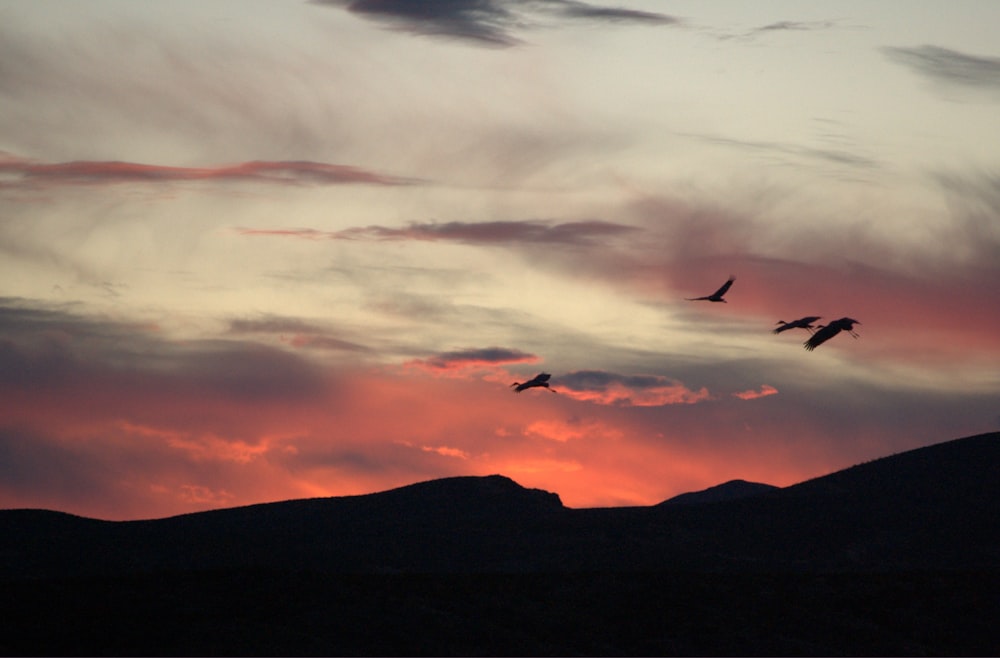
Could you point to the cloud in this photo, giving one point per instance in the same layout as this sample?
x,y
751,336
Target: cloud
x,y
949,67
498,232
21,172
295,332
782,26
488,22
764,391
445,451
608,388
773,27
473,358
563,431
55,349
830,156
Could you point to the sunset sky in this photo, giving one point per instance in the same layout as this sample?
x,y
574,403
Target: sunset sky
x,y
257,250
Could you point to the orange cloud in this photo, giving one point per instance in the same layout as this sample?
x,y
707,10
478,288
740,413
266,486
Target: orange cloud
x,y
562,431
764,391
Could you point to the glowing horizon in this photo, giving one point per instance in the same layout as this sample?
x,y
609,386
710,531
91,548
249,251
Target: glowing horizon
x,y
297,249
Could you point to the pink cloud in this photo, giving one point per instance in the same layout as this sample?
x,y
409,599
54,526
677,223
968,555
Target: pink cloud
x,y
24,172
764,391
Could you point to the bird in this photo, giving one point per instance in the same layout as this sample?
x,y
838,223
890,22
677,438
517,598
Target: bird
x,y
801,323
541,379
717,295
826,332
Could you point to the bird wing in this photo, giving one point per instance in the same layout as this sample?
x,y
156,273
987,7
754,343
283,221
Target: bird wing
x,y
725,286
785,326
542,377
821,336
809,319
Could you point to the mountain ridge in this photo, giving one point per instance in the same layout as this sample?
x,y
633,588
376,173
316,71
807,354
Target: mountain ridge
x,y
927,508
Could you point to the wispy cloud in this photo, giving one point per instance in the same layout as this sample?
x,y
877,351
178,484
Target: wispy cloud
x,y
833,156
949,67
775,27
498,232
22,172
795,26
486,357
295,332
488,22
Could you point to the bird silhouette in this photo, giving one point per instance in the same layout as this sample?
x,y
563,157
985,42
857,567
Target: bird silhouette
x,y
828,331
717,295
801,323
541,380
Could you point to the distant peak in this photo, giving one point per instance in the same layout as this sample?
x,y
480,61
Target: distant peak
x,y
477,490
731,490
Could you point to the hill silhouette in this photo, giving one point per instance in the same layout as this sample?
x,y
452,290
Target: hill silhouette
x,y
913,538
732,490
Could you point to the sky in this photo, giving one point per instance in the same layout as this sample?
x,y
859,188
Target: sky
x,y
261,250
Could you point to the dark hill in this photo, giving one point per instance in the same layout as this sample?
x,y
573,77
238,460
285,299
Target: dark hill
x,y
934,507
732,490
898,556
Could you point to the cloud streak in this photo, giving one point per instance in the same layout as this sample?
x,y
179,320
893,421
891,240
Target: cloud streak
x,y
608,388
21,172
473,358
489,22
947,66
498,232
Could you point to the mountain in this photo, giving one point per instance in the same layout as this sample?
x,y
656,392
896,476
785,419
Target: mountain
x,y
928,508
897,556
732,490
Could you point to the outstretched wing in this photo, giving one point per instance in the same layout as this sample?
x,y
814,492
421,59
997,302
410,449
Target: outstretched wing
x,y
541,377
725,286
821,336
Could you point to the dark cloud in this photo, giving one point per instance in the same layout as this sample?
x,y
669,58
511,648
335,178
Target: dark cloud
x,y
22,172
573,9
950,67
500,232
779,26
474,358
487,22
57,349
610,388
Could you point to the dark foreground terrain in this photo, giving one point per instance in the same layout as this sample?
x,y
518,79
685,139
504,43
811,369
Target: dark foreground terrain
x,y
630,614
900,556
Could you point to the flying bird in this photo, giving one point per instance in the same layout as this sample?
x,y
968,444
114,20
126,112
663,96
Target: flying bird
x,y
827,332
801,323
541,379
717,295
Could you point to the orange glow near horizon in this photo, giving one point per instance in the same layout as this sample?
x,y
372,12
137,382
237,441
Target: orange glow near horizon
x,y
390,429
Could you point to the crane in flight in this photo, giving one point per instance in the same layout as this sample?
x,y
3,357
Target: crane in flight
x,y
801,323
826,332
541,380
717,295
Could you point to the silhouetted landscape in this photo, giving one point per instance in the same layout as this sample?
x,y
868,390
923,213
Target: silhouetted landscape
x,y
897,556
